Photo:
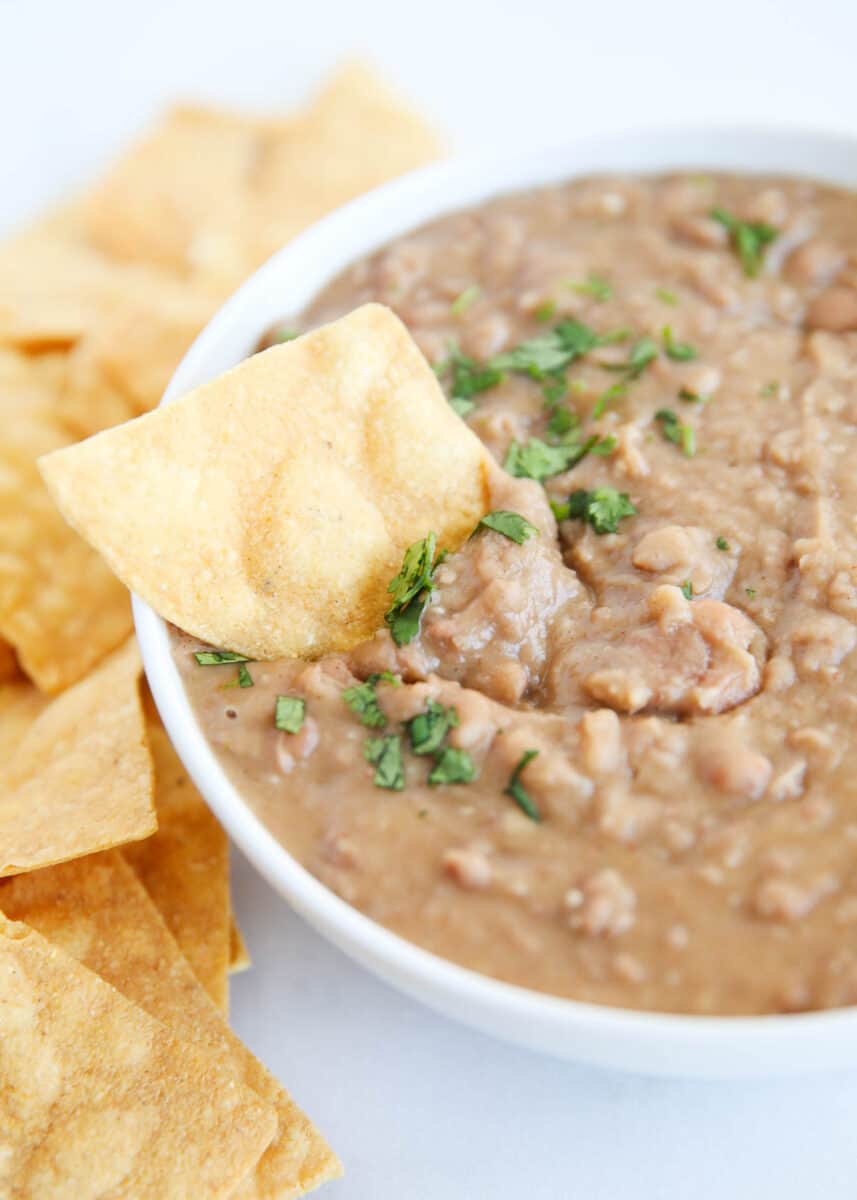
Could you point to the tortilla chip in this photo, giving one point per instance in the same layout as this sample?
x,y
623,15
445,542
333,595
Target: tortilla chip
x,y
99,1099
185,869
356,135
267,511
20,704
121,368
9,668
96,910
60,606
80,779
239,955
189,174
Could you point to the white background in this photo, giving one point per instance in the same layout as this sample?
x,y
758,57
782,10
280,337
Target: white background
x,y
419,1108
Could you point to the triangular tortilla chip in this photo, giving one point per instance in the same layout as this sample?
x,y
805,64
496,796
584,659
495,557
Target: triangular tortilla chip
x,y
267,511
99,1099
239,955
185,869
96,910
60,606
80,778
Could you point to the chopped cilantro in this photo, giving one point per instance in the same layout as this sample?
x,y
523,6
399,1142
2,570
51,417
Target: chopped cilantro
x,y
687,589
605,447
362,699
562,421
427,730
751,592
595,286
666,296
289,713
518,792
467,376
677,351
538,460
770,389
552,352
452,766
721,543
385,755
602,508
467,298
676,432
692,397
750,239
245,679
616,391
643,354
545,312
511,524
216,658
411,589
554,388
285,334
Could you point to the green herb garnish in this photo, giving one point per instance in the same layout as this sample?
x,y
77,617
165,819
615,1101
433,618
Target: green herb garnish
x,y
461,406
452,766
692,397
545,312
289,713
616,391
770,389
216,658
538,460
602,508
468,377
666,296
245,679
552,352
562,421
677,351
676,431
595,286
750,239
411,589
511,524
362,699
643,354
553,389
285,334
687,589
751,592
385,755
428,730
468,297
721,543
518,792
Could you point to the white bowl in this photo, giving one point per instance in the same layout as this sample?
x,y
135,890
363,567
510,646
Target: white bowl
x,y
646,1042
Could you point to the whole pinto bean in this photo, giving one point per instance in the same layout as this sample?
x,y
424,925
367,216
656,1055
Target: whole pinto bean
x,y
833,310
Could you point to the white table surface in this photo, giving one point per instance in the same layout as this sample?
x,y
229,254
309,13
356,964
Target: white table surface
x,y
419,1108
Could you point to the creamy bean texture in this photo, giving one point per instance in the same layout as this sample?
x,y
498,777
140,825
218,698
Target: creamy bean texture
x,y
675,641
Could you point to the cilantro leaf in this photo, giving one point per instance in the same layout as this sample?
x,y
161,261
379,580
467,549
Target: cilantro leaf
x,y
562,421
666,296
467,376
750,239
427,730
538,460
595,286
362,699
552,352
245,679
452,766
385,754
511,524
643,354
216,658
411,589
289,713
677,351
721,543
676,431
616,391
518,792
461,406
687,589
465,300
602,508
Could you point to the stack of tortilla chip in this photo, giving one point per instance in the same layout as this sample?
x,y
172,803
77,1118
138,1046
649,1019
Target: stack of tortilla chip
x,y
119,1075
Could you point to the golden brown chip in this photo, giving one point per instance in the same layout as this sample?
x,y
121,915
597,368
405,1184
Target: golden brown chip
x,y
122,366
61,608
185,869
355,135
239,955
187,176
267,511
99,1099
96,910
80,778
20,704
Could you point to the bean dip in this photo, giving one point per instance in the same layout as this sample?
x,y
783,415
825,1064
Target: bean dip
x,y
632,778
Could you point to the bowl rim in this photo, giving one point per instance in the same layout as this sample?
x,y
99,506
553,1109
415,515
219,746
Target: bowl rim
x,y
655,1042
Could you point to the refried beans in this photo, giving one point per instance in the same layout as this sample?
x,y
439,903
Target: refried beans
x,y
651,799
